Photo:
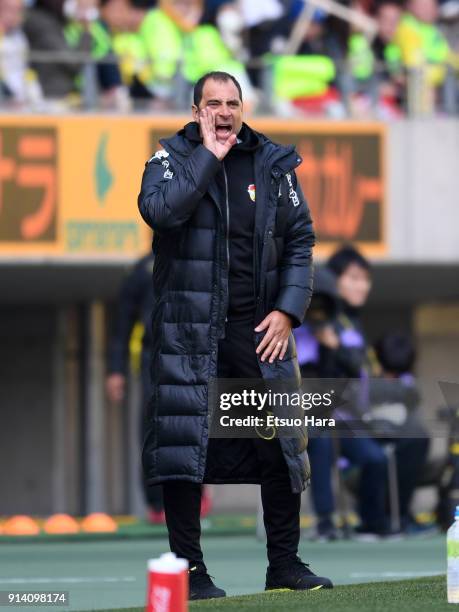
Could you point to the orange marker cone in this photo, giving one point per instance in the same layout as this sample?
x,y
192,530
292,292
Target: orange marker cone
x,y
98,522
21,525
61,523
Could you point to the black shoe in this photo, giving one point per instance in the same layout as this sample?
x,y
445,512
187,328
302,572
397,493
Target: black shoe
x,y
201,585
295,575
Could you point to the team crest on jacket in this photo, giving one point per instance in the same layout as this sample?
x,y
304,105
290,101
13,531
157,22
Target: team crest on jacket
x,y
251,191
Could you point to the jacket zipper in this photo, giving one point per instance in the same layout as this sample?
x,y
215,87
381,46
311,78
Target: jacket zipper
x,y
227,234
263,254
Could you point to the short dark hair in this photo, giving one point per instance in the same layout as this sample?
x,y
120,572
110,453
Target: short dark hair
x,y
377,6
344,257
216,76
396,353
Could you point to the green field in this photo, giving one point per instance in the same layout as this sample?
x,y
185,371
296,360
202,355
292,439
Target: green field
x,y
111,574
407,595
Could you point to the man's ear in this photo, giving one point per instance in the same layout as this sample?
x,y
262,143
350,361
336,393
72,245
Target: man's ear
x,y
195,112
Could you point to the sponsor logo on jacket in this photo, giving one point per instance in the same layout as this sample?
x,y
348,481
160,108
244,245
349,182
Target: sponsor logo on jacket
x,y
292,194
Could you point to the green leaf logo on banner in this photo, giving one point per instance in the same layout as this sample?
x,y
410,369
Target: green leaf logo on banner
x,y
103,176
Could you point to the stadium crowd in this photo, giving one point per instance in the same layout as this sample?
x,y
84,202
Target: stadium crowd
x,y
324,57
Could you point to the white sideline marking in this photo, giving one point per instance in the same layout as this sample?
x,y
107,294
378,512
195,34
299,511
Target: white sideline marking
x,y
395,574
69,579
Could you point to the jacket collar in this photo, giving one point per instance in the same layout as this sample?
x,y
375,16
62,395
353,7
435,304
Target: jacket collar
x,y
277,159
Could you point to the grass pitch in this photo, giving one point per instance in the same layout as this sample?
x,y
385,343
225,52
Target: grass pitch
x,y
424,594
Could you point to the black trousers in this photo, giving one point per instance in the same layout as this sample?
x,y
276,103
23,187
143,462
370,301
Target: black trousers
x,y
281,507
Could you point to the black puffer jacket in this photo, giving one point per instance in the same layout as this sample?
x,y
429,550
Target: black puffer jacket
x,y
180,200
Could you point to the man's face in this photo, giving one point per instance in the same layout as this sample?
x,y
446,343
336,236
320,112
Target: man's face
x,y
424,10
11,14
186,13
116,13
354,285
223,101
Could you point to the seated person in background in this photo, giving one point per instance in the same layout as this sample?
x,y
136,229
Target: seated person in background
x,y
19,85
342,352
386,404
66,27
394,416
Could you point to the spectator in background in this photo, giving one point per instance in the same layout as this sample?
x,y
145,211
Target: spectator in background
x,y
155,46
66,27
449,24
376,66
211,9
124,19
393,412
344,349
343,353
229,19
312,72
256,31
134,306
19,85
301,79
264,23
421,42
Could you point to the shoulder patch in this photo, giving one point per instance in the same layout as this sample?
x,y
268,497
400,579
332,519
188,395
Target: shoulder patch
x,y
158,155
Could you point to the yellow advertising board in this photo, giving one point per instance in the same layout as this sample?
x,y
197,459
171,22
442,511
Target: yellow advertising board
x,y
69,185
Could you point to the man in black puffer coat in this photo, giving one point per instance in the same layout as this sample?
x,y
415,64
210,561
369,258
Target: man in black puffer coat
x,y
233,267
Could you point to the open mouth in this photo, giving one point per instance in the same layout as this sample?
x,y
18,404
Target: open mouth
x,y
223,129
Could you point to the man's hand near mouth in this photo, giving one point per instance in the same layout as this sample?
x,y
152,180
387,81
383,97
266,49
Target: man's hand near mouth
x,y
210,136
